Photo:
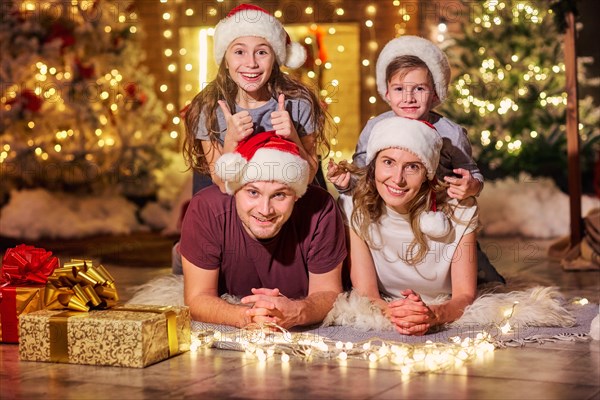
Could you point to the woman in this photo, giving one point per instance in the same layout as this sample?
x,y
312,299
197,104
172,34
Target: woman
x,y
404,244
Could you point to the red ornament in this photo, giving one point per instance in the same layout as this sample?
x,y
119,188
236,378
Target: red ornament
x,y
59,31
142,99
320,40
86,71
131,89
135,95
28,100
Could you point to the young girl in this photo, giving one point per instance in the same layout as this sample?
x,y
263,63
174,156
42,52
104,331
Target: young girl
x,y
251,94
408,240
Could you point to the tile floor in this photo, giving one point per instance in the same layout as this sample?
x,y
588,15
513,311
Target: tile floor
x,y
550,371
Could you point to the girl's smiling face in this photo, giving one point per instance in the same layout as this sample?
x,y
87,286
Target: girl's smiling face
x,y
250,60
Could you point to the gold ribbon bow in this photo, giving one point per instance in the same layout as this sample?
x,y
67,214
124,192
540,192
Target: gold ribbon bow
x,y
80,286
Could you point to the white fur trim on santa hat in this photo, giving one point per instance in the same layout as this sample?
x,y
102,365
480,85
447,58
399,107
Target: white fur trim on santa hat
x,y
253,22
266,165
229,168
412,135
432,56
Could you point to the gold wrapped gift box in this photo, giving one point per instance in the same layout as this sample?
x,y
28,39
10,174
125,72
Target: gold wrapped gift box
x,y
14,301
125,336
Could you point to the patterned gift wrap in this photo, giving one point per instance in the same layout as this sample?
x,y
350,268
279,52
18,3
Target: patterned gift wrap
x,y
126,336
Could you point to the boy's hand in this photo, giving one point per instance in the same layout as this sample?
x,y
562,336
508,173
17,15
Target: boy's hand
x,y
281,120
338,176
463,187
239,125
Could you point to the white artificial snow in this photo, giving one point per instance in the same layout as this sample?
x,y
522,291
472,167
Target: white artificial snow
x,y
527,207
37,213
156,216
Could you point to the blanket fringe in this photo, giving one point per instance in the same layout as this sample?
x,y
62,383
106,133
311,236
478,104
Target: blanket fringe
x,y
541,339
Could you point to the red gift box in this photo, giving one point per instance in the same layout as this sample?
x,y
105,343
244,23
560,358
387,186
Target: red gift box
x,y
23,275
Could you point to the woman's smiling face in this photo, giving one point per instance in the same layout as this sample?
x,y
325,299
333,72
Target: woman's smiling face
x,y
399,175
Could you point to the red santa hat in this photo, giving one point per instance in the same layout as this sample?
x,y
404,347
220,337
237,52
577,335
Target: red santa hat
x,y
251,20
264,156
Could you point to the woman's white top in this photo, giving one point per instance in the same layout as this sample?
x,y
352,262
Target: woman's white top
x,y
391,238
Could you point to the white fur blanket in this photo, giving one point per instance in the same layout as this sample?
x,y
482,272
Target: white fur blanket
x,y
533,307
537,306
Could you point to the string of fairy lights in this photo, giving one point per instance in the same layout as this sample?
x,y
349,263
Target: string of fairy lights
x,y
269,341
173,14
174,11
492,70
51,81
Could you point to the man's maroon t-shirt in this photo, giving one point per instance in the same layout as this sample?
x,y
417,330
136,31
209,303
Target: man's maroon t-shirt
x,y
313,239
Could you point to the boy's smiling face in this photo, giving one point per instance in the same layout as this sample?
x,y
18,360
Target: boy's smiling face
x,y
411,94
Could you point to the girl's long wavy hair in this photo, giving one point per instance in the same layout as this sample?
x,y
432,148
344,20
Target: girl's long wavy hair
x,y
369,206
224,88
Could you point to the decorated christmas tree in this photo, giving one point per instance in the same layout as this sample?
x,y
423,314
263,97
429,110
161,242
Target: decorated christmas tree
x,y
77,107
509,92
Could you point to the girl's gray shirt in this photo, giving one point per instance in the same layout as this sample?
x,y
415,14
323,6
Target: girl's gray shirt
x,y
298,109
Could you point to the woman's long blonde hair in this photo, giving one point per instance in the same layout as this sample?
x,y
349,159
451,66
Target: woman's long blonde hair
x,y
224,88
369,206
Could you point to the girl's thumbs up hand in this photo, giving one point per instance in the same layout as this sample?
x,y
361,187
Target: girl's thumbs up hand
x,y
239,125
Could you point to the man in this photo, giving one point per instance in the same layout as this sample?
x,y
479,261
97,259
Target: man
x,y
272,240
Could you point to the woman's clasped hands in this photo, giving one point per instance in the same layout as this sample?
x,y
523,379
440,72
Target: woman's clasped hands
x,y
410,315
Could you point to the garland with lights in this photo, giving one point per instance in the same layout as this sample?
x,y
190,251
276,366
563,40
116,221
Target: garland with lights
x,y
319,71
264,341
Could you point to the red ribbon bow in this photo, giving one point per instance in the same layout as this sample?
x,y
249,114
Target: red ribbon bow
x,y
26,264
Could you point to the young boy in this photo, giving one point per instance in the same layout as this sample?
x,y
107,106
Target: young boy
x,y
413,76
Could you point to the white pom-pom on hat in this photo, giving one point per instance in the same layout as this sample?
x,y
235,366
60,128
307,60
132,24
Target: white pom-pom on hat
x,y
251,20
229,168
434,223
296,55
